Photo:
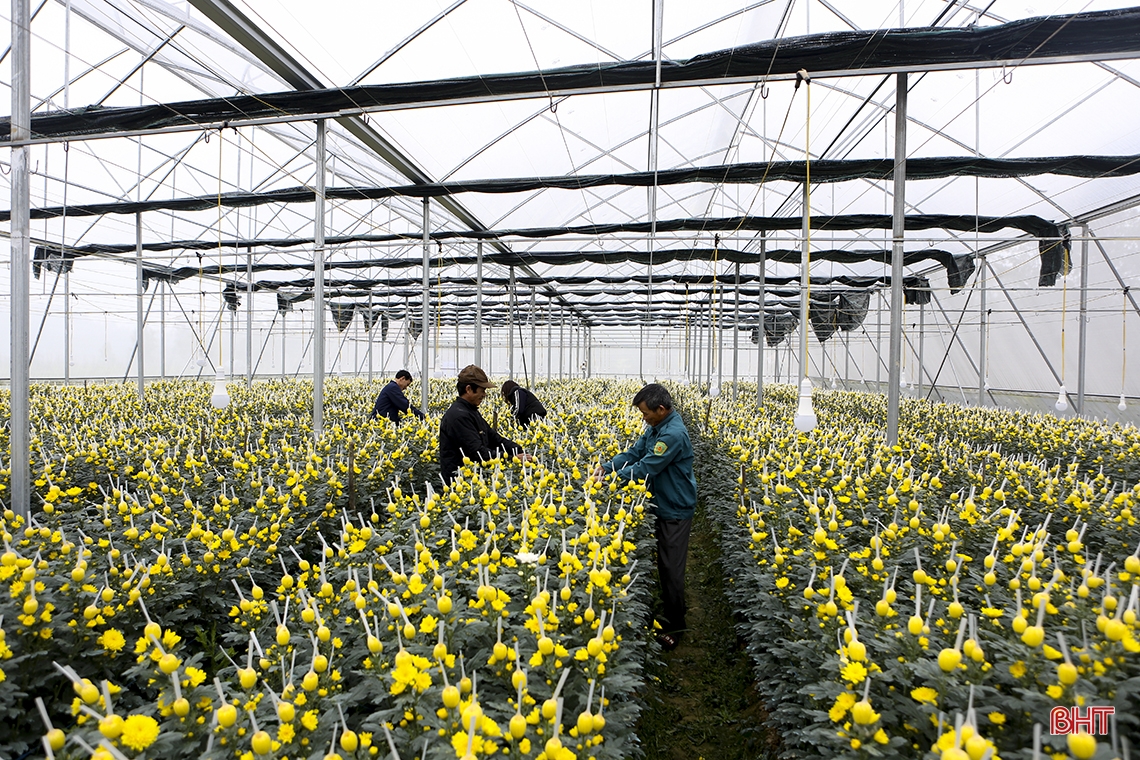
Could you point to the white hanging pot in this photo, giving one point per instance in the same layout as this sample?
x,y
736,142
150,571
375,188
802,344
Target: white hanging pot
x,y
834,383
220,398
805,419
714,390
1122,406
1062,404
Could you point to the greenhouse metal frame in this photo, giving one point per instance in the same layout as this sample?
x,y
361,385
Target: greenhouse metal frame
x,y
670,263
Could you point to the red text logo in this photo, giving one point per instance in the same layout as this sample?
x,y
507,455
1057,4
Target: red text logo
x,y
1068,720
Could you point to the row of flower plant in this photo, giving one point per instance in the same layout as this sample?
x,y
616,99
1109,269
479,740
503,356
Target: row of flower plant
x,y
937,598
202,583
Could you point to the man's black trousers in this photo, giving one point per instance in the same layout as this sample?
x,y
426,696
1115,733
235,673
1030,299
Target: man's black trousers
x,y
672,553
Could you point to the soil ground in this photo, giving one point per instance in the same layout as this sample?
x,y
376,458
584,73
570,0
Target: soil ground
x,y
700,700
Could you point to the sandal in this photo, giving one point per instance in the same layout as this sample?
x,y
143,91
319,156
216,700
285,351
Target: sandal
x,y
667,641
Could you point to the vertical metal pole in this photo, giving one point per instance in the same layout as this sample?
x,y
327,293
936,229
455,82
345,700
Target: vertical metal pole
x,y
66,326
511,329
760,342
139,299
162,331
983,317
372,317
699,358
249,317
878,340
425,313
897,233
589,352
20,433
549,340
284,335
921,343
1083,333
319,287
805,284
533,348
719,327
736,333
478,304
561,343
407,332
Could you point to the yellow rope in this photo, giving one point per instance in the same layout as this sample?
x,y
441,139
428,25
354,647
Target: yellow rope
x,y
806,255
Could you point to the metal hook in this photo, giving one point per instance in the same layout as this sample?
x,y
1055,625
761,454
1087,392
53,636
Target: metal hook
x,y
1007,79
763,90
553,105
207,137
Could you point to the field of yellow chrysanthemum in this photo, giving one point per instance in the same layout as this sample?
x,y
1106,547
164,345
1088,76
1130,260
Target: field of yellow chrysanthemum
x,y
196,583
936,598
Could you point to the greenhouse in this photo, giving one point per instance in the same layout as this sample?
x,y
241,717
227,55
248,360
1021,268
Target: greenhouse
x,y
878,258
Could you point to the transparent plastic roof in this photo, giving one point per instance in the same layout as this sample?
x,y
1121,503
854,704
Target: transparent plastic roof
x,y
131,52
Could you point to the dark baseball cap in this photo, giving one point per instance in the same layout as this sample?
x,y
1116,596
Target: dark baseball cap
x,y
472,375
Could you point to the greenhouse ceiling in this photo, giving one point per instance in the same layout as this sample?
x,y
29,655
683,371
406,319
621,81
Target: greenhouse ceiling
x,y
576,140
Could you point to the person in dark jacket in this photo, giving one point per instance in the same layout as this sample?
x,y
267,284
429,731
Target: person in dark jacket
x,y
392,402
464,433
525,406
663,455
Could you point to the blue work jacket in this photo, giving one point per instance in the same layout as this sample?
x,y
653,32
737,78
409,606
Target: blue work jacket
x,y
663,455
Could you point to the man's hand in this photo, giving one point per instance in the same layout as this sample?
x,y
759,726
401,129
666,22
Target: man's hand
x,y
598,473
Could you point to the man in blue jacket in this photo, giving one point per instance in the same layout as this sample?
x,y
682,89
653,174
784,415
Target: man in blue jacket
x,y
663,455
392,402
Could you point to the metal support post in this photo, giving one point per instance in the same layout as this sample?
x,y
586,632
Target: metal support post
x,y
511,329
284,335
139,300
20,425
736,332
549,339
161,334
897,232
249,317
921,343
1083,332
983,317
478,305
67,328
371,329
425,313
319,286
561,342
533,349
760,341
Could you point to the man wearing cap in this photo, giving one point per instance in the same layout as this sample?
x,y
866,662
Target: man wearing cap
x,y
464,433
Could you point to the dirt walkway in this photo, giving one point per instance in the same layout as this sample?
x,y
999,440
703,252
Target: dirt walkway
x,y
700,702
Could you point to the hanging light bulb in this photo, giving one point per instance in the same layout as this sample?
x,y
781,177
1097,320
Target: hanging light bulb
x,y
903,384
202,360
221,397
834,383
1122,406
805,419
714,390
1062,404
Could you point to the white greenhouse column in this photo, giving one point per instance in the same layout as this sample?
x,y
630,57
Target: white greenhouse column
x,y
425,313
1083,332
761,340
371,316
319,287
161,334
511,329
921,343
549,340
20,432
284,335
897,233
139,300
982,319
736,331
533,349
67,325
249,318
561,343
478,305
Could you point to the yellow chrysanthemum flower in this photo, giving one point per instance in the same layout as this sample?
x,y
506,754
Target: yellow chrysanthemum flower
x,y
139,732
